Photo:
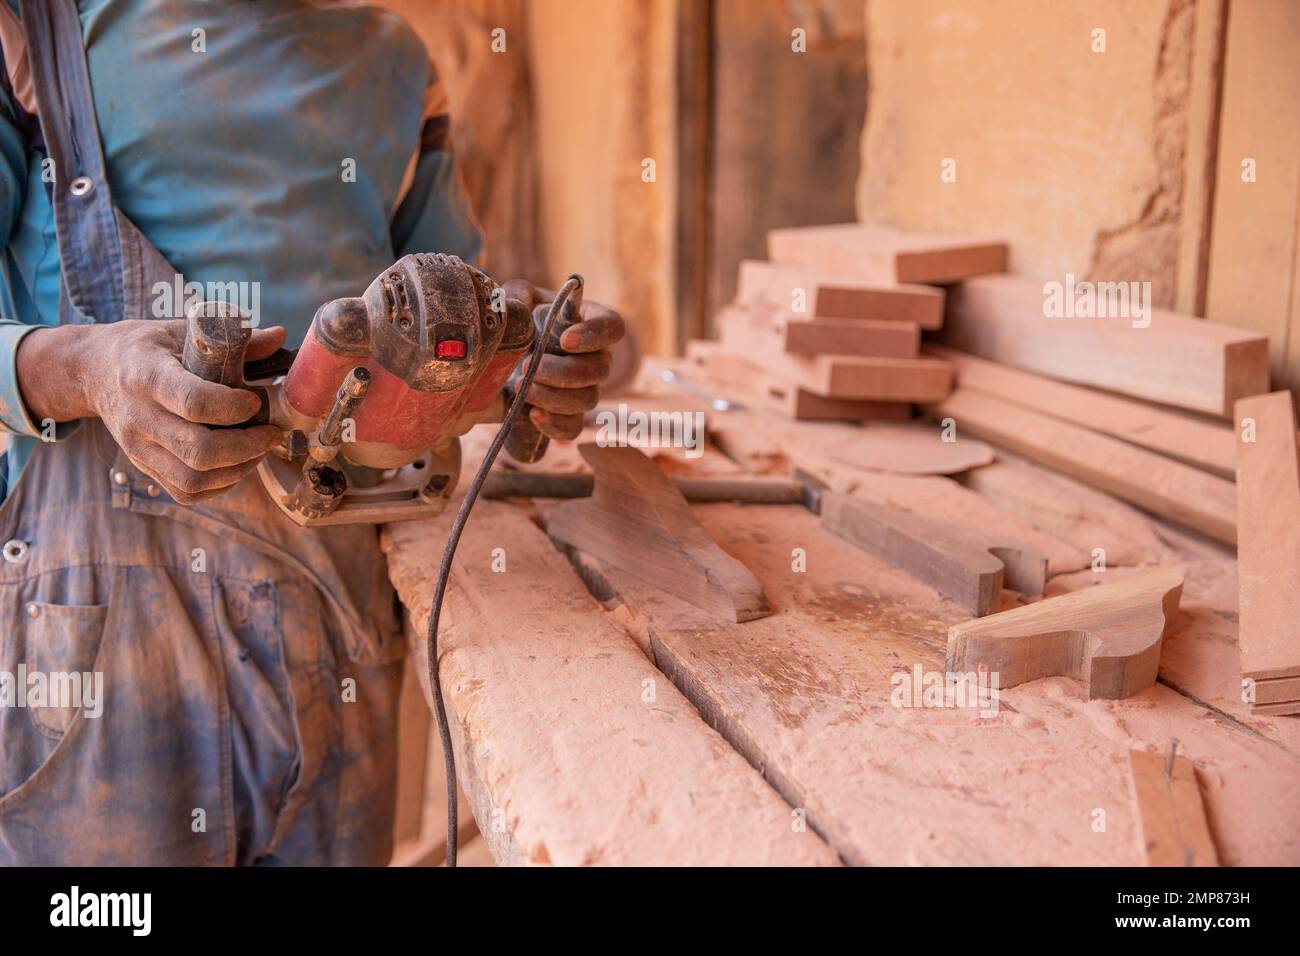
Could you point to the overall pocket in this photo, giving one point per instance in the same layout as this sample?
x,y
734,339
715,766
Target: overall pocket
x,y
62,643
51,628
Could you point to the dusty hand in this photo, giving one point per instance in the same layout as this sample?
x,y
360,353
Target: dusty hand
x,y
567,386
129,374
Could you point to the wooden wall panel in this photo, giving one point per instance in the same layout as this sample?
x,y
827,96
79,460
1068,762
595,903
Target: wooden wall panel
x,y
786,125
1254,253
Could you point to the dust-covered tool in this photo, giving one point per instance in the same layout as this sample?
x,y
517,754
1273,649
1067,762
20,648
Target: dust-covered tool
x,y
384,384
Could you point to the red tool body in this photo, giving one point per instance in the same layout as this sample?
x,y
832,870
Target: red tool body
x,y
435,343
381,389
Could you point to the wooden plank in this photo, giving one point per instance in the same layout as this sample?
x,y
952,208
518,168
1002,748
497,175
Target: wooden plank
x,y
825,296
847,337
1107,636
693,47
573,748
1199,658
1278,690
1202,155
835,376
799,692
717,368
1176,359
413,725
798,335
885,254
637,520
1255,246
1113,533
876,379
1208,445
1276,710
1175,831
1268,550
951,563
1158,484
802,405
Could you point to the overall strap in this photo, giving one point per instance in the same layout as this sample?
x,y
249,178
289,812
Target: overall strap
x,y
84,217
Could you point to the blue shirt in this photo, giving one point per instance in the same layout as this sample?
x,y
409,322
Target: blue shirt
x,y
299,146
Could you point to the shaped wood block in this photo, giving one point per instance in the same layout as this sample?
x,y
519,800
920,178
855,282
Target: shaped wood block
x,y
1107,636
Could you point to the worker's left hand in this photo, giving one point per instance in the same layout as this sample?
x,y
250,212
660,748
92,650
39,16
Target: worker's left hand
x,y
568,386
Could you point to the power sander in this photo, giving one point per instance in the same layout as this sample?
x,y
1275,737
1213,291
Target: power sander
x,y
374,402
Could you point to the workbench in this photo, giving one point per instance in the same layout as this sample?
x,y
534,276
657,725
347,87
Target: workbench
x,y
599,720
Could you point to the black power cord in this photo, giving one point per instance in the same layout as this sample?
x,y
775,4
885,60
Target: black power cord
x,y
573,283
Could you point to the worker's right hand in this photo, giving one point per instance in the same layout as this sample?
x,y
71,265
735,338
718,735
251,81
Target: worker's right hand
x,y
129,374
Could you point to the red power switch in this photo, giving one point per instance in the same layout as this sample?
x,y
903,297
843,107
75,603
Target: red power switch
x,y
450,349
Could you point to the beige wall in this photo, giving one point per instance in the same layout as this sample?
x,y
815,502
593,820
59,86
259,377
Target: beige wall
x,y
1075,157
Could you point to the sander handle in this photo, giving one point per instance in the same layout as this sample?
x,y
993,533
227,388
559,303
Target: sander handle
x,y
216,338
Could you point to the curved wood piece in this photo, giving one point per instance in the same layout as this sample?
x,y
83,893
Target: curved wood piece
x,y
908,448
1107,636
952,562
637,520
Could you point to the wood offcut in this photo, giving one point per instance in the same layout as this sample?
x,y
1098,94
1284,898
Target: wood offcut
x,y
1174,829
637,520
1107,636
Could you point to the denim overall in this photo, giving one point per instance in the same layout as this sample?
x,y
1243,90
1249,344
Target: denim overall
x,y
250,668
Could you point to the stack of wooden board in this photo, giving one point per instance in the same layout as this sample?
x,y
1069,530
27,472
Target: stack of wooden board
x,y
1172,458
831,327
1086,378
1167,462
